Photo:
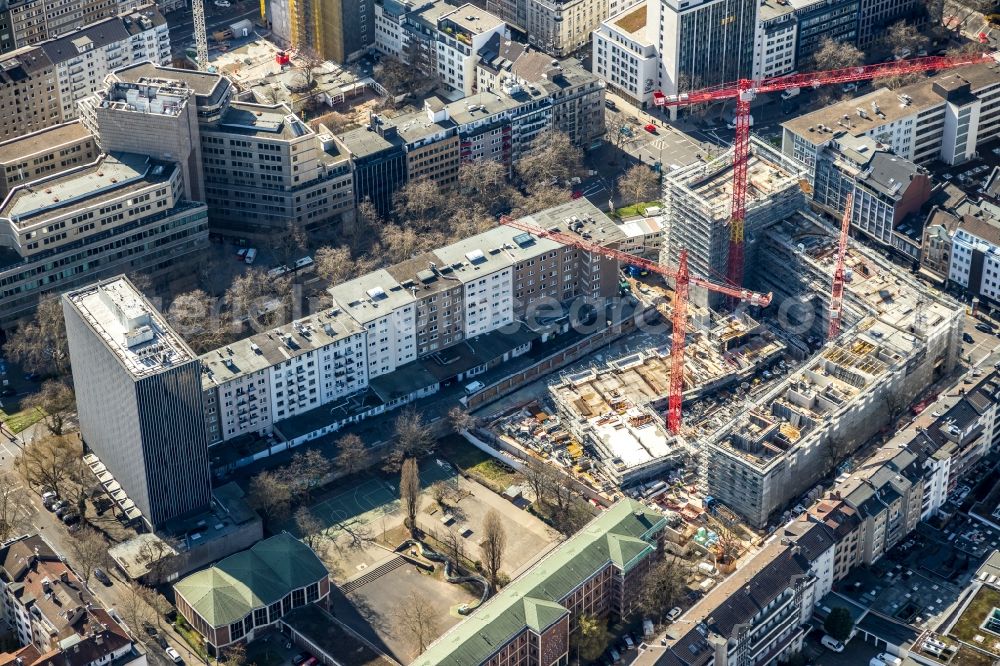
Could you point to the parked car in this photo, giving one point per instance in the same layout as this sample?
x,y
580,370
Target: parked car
x,y
967,338
49,496
300,657
71,518
63,510
103,577
985,328
173,654
674,613
162,642
831,643
222,3
610,103
651,128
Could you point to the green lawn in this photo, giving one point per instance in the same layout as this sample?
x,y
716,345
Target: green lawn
x,y
975,613
18,421
477,464
635,209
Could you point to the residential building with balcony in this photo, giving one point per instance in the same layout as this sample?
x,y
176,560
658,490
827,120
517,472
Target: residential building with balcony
x,y
29,22
461,34
29,93
85,56
758,614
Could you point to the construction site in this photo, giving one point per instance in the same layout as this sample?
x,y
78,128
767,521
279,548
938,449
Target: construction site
x,y
771,403
701,195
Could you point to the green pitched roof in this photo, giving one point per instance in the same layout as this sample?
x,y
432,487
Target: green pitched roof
x,y
540,614
250,579
532,599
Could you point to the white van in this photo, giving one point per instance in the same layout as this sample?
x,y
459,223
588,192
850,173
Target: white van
x,y
790,93
474,387
889,659
831,643
250,256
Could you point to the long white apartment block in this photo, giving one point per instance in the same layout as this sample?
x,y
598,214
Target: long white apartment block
x,y
945,117
382,321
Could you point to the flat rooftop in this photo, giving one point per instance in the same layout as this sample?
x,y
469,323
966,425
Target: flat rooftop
x,y
472,19
772,9
130,327
263,121
632,21
202,83
109,177
42,141
371,296
264,350
889,105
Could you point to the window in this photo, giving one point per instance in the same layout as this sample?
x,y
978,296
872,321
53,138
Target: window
x,y
298,598
312,592
260,617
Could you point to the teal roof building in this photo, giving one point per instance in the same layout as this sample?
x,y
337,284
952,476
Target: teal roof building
x,y
597,571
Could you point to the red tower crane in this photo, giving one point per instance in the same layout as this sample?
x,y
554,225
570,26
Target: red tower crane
x,y
837,293
682,280
745,90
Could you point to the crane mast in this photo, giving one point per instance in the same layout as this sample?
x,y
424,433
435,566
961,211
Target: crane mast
x,y
837,293
682,281
745,90
200,33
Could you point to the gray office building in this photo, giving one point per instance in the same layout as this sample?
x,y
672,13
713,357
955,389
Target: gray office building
x,y
138,392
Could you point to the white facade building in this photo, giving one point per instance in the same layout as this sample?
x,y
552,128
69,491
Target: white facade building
x,y
775,39
84,57
945,118
461,33
624,54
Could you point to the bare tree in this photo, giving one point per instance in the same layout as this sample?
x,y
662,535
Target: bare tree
x,y
460,419
551,159
401,243
409,491
15,507
540,197
664,587
412,438
90,551
639,184
484,184
309,527
896,82
539,479
234,655
352,455
156,554
617,126
334,264
40,344
56,401
418,618
158,607
195,316
421,203
46,463
366,226
306,472
492,547
291,243
729,544
902,37
263,300
135,611
832,54
269,493
454,546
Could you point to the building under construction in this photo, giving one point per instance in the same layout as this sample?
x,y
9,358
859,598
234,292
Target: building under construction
x,y
898,338
615,410
698,200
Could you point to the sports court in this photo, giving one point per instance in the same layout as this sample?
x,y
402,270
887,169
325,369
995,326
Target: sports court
x,y
370,498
